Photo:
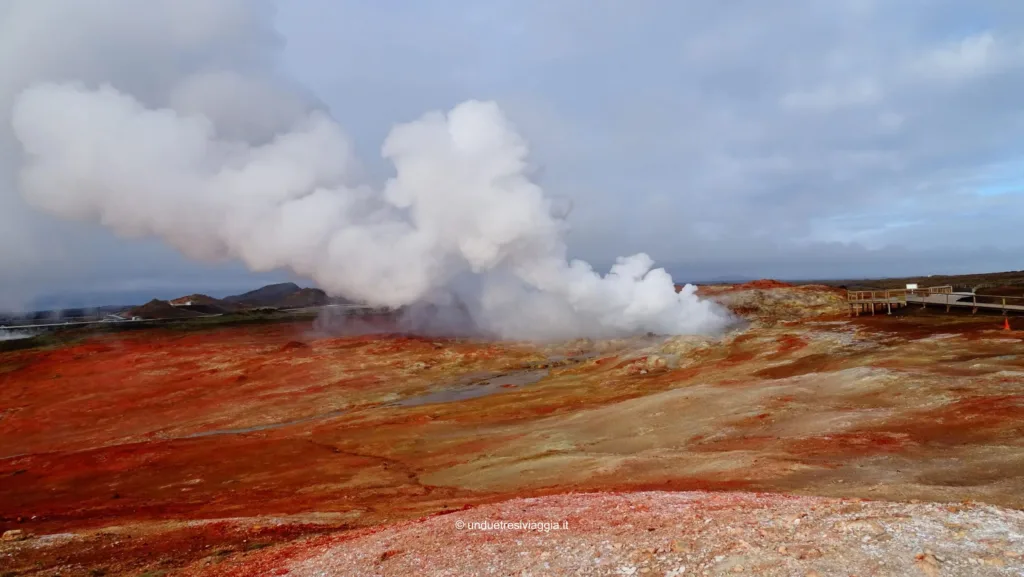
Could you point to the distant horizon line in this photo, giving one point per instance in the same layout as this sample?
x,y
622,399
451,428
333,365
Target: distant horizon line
x,y
136,297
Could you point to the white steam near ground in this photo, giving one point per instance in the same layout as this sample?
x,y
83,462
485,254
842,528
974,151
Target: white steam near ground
x,y
13,335
221,158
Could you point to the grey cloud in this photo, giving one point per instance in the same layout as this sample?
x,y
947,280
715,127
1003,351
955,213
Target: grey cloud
x,y
771,138
185,130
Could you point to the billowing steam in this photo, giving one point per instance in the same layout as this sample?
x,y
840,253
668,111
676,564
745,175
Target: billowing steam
x,y
226,161
13,335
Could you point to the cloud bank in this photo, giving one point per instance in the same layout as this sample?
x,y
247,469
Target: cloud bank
x,y
796,139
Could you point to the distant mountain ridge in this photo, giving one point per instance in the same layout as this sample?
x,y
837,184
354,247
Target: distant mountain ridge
x,y
281,295
286,295
158,309
727,279
715,280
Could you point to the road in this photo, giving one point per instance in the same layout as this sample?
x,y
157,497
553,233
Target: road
x,y
56,325
346,309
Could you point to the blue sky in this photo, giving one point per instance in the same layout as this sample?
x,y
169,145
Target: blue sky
x,y
793,138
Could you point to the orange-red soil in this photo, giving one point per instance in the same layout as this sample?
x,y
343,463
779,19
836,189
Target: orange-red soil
x,y
273,432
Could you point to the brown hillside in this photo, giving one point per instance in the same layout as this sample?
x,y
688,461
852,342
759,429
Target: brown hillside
x,y
195,299
158,309
204,304
307,297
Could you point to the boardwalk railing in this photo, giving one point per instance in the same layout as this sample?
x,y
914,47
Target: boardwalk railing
x,y
933,290
864,301
880,296
975,301
895,295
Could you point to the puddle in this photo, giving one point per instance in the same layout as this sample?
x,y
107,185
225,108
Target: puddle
x,y
826,323
938,337
570,359
475,390
268,427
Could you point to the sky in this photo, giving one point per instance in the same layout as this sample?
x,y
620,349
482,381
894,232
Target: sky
x,y
791,139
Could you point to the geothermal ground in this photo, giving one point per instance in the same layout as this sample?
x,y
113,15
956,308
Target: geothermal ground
x,y
802,443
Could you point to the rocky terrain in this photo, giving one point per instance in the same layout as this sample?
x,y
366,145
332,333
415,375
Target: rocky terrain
x,y
269,449
677,534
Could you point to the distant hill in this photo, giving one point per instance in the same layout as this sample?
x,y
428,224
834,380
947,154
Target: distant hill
x,y
195,299
277,296
985,283
727,279
207,305
282,295
158,309
307,297
70,314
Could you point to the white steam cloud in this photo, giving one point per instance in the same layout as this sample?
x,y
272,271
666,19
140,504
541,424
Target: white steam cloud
x,y
13,335
8,334
224,160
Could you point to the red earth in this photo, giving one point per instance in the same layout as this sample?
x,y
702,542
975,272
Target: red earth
x,y
268,433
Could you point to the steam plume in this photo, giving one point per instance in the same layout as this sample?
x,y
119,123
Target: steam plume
x,y
11,335
231,162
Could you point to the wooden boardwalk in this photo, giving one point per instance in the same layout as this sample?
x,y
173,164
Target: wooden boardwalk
x,y
885,300
874,301
970,300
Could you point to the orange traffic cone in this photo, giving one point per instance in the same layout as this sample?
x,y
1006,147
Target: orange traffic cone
x,y
1006,323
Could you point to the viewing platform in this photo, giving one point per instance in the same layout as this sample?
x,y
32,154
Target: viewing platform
x,y
863,301
876,300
